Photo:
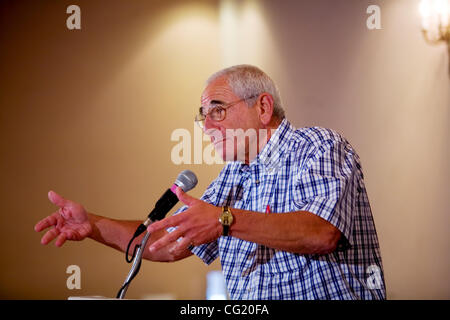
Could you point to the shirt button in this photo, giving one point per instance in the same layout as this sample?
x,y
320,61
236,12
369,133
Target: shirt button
x,y
257,181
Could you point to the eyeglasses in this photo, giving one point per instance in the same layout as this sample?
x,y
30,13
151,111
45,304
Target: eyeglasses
x,y
218,112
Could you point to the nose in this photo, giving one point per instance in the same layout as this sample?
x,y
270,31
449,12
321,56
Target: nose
x,y
212,130
209,124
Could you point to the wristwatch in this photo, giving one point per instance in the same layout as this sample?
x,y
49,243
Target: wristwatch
x,y
226,219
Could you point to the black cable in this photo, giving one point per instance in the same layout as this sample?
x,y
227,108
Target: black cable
x,y
128,249
138,232
131,278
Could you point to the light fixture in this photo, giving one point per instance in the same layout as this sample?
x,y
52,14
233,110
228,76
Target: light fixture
x,y
435,20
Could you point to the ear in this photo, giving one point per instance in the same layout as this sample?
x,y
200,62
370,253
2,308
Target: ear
x,y
265,107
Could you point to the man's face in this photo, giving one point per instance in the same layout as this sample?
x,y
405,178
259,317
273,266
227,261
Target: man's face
x,y
233,137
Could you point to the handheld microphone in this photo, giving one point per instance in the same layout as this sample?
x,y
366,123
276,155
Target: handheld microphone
x,y
186,180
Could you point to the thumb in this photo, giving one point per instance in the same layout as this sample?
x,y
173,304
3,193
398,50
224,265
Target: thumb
x,y
56,199
184,197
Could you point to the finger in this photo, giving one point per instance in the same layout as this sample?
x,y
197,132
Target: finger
x,y
166,240
49,236
182,245
46,222
60,240
165,223
184,197
56,199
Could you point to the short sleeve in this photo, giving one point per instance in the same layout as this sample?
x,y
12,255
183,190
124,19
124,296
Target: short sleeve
x,y
327,186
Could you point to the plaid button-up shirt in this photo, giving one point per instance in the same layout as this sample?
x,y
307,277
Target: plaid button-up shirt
x,y
309,169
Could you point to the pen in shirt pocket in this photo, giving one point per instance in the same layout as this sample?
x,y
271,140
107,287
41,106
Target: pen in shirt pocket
x,y
268,209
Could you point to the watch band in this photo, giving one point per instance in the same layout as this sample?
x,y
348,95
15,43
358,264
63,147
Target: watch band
x,y
226,218
226,229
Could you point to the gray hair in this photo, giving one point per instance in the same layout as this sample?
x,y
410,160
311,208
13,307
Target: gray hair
x,y
247,80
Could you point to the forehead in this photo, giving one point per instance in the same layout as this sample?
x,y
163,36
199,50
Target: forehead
x,y
218,90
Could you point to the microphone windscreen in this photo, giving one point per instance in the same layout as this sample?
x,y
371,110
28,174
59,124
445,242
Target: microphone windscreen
x,y
186,180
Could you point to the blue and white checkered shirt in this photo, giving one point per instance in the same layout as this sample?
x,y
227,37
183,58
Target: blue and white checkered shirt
x,y
309,169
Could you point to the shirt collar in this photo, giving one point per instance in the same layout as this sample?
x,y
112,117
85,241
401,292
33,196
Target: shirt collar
x,y
269,157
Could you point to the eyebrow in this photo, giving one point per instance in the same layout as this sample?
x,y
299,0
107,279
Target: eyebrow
x,y
213,102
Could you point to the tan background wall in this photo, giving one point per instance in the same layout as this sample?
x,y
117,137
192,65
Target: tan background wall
x,y
90,113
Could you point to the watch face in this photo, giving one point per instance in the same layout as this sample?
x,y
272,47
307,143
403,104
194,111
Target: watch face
x,y
226,218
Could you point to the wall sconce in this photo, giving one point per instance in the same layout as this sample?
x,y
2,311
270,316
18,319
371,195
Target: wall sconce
x,y
435,20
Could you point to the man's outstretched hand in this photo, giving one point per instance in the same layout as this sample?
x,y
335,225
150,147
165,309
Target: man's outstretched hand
x,y
70,222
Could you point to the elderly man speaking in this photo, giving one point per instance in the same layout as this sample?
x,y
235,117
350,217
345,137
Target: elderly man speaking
x,y
288,215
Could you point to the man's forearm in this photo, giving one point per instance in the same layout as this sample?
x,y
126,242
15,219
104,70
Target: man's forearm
x,y
118,233
113,233
298,232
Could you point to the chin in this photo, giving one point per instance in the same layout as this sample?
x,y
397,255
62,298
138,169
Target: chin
x,y
227,154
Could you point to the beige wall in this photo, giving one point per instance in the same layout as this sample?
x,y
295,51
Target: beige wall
x,y
89,114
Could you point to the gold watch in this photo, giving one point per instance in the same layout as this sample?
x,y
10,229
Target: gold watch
x,y
226,219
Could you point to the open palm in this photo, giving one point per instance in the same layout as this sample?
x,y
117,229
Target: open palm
x,y
70,222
